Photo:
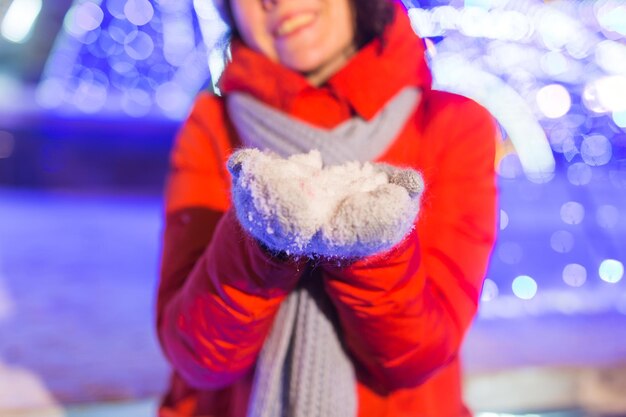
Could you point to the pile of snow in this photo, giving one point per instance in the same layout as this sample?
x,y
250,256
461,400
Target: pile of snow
x,y
297,205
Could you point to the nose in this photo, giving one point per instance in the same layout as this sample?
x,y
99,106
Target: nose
x,y
268,4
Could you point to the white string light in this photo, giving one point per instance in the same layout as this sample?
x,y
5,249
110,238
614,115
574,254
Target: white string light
x,y
20,19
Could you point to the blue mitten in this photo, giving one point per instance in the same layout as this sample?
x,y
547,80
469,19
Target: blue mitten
x,y
298,206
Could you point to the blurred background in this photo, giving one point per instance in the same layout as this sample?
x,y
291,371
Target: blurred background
x,y
92,93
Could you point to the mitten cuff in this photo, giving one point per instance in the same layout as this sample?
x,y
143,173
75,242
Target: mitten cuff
x,y
267,269
406,253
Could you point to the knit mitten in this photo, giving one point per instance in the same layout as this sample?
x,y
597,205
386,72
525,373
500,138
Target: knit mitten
x,y
297,206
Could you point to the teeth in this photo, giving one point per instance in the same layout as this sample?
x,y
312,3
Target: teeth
x,y
294,23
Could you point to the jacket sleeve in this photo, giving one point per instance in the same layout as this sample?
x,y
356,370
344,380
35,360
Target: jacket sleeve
x,y
219,290
404,313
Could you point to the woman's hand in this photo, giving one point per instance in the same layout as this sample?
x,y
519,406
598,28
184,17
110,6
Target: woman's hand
x,y
297,206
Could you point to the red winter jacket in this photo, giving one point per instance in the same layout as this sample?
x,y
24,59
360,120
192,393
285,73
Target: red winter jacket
x,y
403,314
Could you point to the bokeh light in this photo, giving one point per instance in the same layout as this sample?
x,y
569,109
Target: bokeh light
x,y
116,8
490,290
611,56
611,271
562,241
524,287
619,117
153,54
554,101
574,275
579,173
138,12
120,30
138,45
596,150
572,212
88,16
612,16
611,92
555,63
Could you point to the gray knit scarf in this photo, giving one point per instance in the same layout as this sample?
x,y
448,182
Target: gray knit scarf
x,y
303,369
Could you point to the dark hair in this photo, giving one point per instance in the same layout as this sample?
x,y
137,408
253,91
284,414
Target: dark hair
x,y
372,17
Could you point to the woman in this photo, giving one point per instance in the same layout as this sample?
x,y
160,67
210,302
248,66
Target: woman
x,y
401,315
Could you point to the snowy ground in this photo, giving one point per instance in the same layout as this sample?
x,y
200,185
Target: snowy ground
x,y
77,284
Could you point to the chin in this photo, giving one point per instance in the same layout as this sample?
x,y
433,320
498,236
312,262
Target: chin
x,y
303,64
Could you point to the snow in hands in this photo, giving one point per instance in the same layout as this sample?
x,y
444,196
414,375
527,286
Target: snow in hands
x,y
297,205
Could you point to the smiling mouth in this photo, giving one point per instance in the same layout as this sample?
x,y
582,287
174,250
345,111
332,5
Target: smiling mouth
x,y
295,23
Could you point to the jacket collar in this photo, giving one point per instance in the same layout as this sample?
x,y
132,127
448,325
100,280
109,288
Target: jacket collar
x,y
371,78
